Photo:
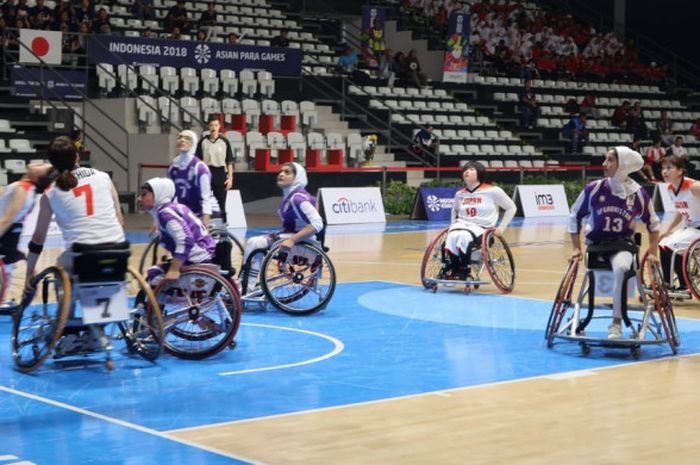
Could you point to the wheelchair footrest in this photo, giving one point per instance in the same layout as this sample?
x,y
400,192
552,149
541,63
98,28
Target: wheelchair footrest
x,y
622,343
457,282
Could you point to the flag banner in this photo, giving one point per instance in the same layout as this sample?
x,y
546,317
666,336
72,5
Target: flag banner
x,y
40,44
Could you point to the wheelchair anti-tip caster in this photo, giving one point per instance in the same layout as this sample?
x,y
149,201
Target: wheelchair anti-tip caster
x,y
636,352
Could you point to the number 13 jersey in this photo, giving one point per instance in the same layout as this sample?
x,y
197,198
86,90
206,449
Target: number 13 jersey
x,y
610,217
86,213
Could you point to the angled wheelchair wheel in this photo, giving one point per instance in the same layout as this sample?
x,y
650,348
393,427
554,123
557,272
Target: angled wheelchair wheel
x,y
221,234
40,319
143,333
562,301
3,280
498,260
300,280
201,313
691,268
433,259
152,255
664,308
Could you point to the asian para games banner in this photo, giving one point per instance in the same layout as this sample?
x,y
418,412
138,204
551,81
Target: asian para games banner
x,y
183,53
433,203
456,62
48,83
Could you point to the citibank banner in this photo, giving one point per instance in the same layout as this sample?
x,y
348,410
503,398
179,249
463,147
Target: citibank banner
x,y
433,203
185,53
352,205
541,200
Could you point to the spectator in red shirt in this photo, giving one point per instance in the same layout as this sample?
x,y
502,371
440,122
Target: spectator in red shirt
x,y
695,129
619,117
652,162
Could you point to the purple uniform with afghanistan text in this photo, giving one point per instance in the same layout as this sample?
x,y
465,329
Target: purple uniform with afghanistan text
x,y
188,185
611,217
293,215
184,235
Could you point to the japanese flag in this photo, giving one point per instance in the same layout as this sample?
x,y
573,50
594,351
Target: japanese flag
x,y
44,44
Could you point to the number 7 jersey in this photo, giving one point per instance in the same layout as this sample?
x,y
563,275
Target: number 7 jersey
x,y
86,213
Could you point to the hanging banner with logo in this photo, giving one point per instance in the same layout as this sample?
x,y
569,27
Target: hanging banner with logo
x,y
456,63
541,200
42,44
184,53
351,205
370,14
48,83
433,203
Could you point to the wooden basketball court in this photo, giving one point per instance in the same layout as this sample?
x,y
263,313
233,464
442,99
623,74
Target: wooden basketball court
x,y
634,412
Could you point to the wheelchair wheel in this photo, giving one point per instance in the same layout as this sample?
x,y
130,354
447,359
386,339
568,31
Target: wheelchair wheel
x,y
662,302
433,259
562,301
201,313
3,280
691,268
498,260
300,280
143,333
152,255
221,234
39,322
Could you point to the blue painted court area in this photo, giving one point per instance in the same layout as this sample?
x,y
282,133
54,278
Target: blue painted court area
x,y
375,341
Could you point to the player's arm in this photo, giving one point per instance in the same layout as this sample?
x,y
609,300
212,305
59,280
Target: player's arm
x,y
14,207
37,243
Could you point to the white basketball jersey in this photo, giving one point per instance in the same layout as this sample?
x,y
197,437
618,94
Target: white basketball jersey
x,y
481,206
29,200
86,213
686,203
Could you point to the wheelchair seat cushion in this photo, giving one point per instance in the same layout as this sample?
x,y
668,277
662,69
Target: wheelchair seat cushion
x,y
598,255
101,262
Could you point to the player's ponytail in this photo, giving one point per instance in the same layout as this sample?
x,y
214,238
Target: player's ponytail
x,y
64,157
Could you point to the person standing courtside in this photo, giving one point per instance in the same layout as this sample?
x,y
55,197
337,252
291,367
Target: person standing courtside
x,y
215,151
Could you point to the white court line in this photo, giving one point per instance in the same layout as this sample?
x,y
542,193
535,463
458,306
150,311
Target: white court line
x,y
442,392
338,347
116,421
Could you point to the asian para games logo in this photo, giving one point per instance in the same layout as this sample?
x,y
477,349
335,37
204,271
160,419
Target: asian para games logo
x,y
202,53
433,203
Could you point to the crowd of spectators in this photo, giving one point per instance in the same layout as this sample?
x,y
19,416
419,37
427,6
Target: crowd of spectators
x,y
535,43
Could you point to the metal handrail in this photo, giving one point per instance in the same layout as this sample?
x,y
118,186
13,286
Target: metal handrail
x,y
85,99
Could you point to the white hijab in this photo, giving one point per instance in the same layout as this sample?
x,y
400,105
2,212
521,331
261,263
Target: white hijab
x,y
183,158
628,161
300,180
163,192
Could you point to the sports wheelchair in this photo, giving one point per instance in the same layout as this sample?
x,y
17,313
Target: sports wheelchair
x,y
653,322
84,311
299,280
202,308
686,285
494,255
201,311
